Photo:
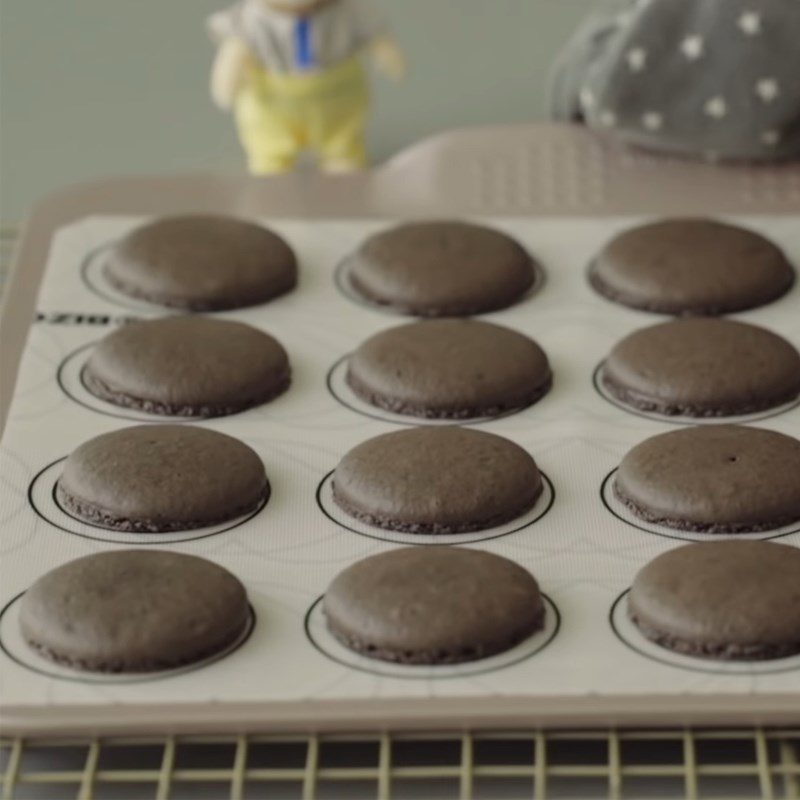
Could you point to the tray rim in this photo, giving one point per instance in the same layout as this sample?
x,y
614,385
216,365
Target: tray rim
x,y
424,715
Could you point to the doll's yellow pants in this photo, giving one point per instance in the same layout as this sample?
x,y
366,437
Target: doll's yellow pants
x,y
279,116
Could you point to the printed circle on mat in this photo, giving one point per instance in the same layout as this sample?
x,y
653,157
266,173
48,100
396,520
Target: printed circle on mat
x,y
621,511
629,634
325,642
18,650
335,513
736,419
44,500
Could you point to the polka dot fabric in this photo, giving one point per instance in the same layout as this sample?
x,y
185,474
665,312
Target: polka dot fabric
x,y
710,78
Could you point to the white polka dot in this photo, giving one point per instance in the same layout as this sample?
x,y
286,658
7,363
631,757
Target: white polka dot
x,y
693,47
767,89
716,107
770,138
750,23
637,59
653,121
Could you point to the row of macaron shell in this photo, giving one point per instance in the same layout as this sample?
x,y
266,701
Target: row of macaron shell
x,y
448,268
420,485
411,606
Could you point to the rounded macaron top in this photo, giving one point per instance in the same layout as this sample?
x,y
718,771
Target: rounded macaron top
x,y
442,268
691,267
703,367
152,478
449,368
188,366
433,605
730,599
715,478
133,611
202,263
437,480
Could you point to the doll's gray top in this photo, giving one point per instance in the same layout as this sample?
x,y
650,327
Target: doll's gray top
x,y
289,44
714,78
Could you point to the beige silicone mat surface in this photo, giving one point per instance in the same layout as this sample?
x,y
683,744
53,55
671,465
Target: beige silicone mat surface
x,y
588,663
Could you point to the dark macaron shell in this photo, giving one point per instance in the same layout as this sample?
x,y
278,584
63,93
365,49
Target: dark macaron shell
x,y
717,479
188,366
134,611
703,368
442,268
450,369
731,600
437,480
691,267
202,263
154,478
433,605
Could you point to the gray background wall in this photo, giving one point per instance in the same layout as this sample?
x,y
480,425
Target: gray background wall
x,y
92,88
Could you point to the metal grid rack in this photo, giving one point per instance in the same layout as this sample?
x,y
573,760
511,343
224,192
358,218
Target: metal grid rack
x,y
609,764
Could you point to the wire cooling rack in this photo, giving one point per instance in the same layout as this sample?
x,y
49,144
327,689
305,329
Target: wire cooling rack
x,y
589,764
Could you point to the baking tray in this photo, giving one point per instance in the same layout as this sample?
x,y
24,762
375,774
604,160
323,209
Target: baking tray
x,y
587,674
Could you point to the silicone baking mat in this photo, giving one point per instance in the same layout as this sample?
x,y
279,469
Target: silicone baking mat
x,y
583,548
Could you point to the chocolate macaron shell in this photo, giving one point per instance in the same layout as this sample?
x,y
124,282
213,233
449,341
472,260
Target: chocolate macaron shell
x,y
442,268
717,479
154,478
437,480
704,368
691,267
732,599
433,605
452,369
133,611
188,366
202,263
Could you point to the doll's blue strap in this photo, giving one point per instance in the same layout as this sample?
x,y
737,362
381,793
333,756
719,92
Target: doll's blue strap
x,y
304,52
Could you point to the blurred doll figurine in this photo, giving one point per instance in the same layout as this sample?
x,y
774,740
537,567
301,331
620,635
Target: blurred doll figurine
x,y
292,73
708,78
